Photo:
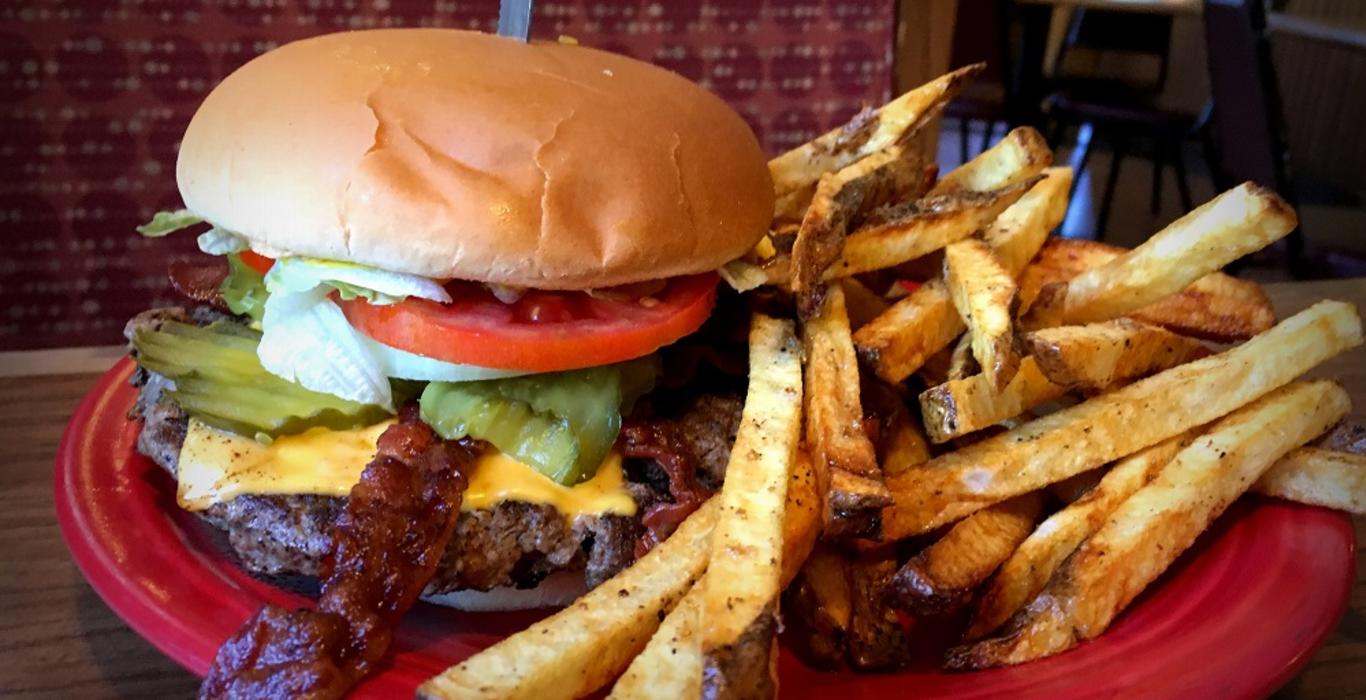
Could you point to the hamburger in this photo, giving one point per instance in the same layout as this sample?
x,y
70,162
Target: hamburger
x,y
518,241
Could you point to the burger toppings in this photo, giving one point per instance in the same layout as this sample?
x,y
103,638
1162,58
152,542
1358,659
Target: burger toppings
x,y
219,379
385,547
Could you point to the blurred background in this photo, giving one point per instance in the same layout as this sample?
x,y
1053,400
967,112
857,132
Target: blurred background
x,y
1158,104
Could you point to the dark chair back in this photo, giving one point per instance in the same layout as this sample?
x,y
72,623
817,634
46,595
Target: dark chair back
x,y
1246,124
1247,131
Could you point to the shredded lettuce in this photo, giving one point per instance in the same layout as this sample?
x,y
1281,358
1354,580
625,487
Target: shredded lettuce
x,y
167,222
298,274
307,340
401,364
244,289
217,241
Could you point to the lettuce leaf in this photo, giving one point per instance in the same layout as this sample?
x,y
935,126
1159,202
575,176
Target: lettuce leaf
x,y
244,289
167,222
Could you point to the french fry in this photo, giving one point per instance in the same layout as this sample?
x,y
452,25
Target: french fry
x,y
581,648
923,227
1100,355
670,666
941,578
984,294
894,174
877,641
862,303
961,406
844,459
1318,477
1018,156
739,596
901,444
899,341
796,172
1149,530
1028,569
1115,424
1215,307
1242,220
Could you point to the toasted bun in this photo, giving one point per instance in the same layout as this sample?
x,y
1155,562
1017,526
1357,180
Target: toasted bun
x,y
456,154
556,591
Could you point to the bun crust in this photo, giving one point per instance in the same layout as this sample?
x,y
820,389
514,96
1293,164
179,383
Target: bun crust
x,y
455,154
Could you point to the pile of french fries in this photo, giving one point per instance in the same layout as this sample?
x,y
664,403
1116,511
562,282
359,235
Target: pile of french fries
x,y
962,414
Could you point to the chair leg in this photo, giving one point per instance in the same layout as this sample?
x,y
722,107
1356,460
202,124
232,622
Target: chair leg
x,y
1120,146
987,134
1183,187
1056,134
1159,155
1079,163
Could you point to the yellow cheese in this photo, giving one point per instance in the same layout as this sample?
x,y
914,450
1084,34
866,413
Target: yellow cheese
x,y
218,466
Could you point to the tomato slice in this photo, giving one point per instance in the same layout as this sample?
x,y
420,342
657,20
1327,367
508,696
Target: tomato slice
x,y
256,261
543,331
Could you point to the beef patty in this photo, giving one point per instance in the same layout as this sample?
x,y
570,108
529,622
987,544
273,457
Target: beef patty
x,y
512,544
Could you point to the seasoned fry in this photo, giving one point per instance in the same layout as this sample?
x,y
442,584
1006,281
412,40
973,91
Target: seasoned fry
x,y
739,605
895,174
899,341
1018,233
1215,307
941,578
844,458
1242,220
796,172
961,406
901,444
1019,156
1027,571
1100,355
1115,424
984,294
579,649
670,666
922,227
862,303
1150,529
1318,477
877,641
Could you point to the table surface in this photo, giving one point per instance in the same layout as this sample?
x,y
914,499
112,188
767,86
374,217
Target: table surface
x,y
57,638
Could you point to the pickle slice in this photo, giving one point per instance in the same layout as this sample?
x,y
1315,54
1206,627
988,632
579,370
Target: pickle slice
x,y
219,380
563,424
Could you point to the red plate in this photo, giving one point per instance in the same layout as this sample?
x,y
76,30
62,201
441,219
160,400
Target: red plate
x,y
1236,617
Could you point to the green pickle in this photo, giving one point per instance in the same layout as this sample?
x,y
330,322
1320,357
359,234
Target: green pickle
x,y
219,380
563,424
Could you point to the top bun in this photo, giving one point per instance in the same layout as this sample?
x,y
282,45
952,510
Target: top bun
x,y
455,154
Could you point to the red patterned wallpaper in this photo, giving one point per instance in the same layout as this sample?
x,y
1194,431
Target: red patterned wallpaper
x,y
94,95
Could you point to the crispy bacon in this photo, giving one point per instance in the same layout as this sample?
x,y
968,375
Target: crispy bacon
x,y
199,281
386,546
660,441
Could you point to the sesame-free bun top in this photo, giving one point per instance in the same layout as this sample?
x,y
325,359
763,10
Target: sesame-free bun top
x,y
456,154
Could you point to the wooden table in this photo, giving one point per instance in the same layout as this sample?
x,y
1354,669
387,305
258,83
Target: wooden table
x,y
57,638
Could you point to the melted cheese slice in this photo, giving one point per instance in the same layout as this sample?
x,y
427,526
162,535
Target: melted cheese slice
x,y
218,466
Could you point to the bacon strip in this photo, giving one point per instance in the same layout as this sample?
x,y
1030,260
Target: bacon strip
x,y
386,546
199,281
661,442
